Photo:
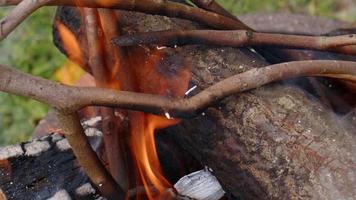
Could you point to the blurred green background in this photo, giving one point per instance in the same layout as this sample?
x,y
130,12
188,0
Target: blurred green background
x,y
30,49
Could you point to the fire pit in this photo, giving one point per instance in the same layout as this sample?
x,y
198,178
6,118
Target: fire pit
x,y
175,114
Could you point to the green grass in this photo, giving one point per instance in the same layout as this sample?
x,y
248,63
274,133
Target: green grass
x,y
326,8
31,50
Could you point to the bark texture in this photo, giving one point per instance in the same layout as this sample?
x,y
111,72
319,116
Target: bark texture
x,y
272,142
275,142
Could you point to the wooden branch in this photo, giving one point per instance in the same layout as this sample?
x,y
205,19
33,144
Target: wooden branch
x,y
19,14
100,57
87,158
69,99
239,38
168,8
51,169
95,52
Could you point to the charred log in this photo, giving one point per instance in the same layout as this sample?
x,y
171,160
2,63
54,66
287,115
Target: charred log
x,y
43,169
46,167
273,142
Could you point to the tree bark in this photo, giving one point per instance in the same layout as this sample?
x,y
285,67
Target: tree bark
x,y
275,142
272,142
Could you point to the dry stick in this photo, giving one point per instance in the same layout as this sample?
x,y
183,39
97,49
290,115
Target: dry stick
x,y
95,52
211,5
70,121
215,7
167,8
238,38
70,99
100,62
98,67
19,14
86,156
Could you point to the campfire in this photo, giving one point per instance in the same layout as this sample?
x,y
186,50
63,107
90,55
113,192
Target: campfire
x,y
170,104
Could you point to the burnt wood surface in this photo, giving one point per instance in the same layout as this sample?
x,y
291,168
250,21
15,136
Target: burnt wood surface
x,y
44,168
275,142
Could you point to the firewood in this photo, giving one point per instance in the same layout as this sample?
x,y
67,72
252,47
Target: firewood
x,y
272,142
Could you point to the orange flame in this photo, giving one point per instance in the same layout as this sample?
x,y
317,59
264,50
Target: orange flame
x,y
144,149
70,44
153,76
141,70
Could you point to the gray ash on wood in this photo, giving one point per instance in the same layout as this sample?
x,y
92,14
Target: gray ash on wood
x,y
273,142
43,174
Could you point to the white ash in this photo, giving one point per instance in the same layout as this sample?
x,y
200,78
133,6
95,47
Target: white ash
x,y
253,50
92,132
190,90
10,151
36,147
92,121
56,137
60,195
200,185
63,145
95,137
168,116
85,190
162,47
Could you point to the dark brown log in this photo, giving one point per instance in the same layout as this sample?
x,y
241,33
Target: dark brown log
x,y
273,142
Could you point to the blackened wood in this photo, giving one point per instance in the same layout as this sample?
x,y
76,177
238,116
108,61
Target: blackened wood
x,y
276,142
42,169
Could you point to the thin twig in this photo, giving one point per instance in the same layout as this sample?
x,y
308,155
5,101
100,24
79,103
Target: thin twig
x,y
19,14
68,98
167,8
95,52
212,6
239,38
100,69
87,158
102,57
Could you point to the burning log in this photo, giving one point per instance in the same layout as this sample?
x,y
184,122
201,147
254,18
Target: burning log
x,y
272,142
45,168
260,136
52,171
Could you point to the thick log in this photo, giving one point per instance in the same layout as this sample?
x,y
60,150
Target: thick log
x,y
272,142
45,168
338,95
